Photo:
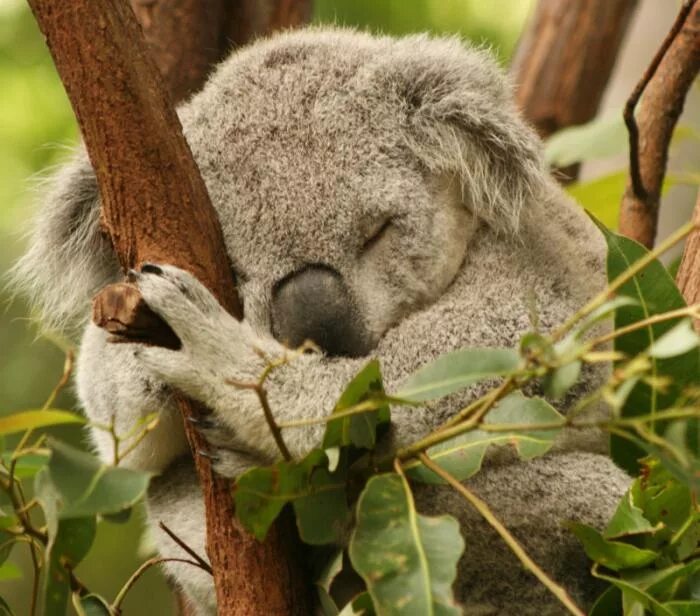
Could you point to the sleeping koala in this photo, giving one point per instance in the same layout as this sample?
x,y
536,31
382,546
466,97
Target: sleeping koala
x,y
382,198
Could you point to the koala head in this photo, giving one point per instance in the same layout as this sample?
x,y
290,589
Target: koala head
x,y
350,172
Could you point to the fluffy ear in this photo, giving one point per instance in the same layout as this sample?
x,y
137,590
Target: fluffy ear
x,y
67,260
460,119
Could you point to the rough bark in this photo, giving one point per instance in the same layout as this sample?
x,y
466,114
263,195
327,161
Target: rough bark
x,y
188,37
688,277
156,208
565,57
665,86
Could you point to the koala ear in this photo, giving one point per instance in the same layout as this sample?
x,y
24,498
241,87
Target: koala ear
x,y
460,120
67,260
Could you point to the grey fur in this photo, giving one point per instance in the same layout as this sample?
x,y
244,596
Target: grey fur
x,y
308,143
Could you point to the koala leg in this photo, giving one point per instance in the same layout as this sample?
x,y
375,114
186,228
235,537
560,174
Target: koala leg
x,y
175,499
533,500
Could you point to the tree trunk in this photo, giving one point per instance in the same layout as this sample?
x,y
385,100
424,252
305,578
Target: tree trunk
x,y
565,58
156,208
189,37
688,277
665,87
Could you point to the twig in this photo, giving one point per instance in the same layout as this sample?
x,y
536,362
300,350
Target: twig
x,y
664,86
202,563
267,411
628,114
558,591
63,381
121,595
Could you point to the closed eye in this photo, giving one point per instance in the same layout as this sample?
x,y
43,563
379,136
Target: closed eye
x,y
378,234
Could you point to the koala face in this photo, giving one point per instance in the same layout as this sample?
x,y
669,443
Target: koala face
x,y
348,185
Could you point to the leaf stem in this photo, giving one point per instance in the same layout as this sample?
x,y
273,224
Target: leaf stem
x,y
558,591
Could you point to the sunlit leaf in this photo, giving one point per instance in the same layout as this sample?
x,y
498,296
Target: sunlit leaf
x,y
324,581
601,196
677,341
29,420
359,430
457,370
359,606
9,571
614,555
407,560
462,455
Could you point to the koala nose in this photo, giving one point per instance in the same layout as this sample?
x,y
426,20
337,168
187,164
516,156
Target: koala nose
x,y
314,303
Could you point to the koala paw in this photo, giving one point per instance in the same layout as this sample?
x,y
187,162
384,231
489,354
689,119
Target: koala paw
x,y
215,347
227,457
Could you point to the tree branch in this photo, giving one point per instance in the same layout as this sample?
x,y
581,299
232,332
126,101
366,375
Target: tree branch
x,y
156,208
665,86
688,277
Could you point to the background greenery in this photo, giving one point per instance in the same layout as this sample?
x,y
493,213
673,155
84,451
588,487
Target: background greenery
x,y
37,128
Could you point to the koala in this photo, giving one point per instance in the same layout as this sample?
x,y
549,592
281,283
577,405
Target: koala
x,y
383,198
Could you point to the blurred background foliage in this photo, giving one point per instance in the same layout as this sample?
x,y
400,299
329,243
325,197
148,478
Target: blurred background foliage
x,y
37,128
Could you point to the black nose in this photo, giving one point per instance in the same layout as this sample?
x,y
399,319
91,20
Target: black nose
x,y
314,303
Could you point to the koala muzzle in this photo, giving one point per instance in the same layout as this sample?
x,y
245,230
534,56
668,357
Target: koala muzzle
x,y
314,303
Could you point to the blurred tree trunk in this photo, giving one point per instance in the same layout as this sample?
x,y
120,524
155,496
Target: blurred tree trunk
x,y
155,208
688,277
189,37
564,60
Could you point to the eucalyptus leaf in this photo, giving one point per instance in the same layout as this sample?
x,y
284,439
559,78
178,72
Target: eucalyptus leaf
x,y
631,593
5,609
655,292
683,608
457,370
677,341
359,606
608,604
85,486
9,571
462,455
628,519
407,560
26,465
602,137
94,605
360,429
601,196
318,496
68,546
562,379
614,555
30,420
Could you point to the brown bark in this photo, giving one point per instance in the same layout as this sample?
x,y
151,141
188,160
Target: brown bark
x,y
188,37
688,277
156,208
565,58
665,87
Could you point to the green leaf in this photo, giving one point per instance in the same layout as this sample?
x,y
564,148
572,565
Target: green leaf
x,y
324,581
68,546
677,341
655,292
683,608
84,486
407,560
614,555
608,604
318,496
360,429
29,420
27,465
9,571
628,519
562,379
602,137
633,594
94,605
323,513
462,455
454,371
5,609
359,606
